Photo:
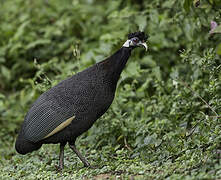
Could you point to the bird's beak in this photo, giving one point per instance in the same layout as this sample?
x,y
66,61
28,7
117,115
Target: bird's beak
x,y
144,45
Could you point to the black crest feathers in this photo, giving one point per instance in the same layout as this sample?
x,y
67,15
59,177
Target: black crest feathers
x,y
140,35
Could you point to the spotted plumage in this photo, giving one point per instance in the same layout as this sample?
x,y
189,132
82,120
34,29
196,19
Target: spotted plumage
x,y
70,108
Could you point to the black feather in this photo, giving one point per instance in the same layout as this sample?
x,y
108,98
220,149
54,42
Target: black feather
x,y
86,95
140,35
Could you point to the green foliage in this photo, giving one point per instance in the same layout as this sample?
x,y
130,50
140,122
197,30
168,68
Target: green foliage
x,y
165,119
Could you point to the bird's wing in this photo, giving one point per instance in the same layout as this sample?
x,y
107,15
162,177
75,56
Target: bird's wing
x,y
45,119
56,108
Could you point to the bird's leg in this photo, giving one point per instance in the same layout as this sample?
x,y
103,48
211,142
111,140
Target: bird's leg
x,y
61,157
86,163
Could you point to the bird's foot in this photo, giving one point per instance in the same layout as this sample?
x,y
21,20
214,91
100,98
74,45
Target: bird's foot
x,y
86,163
59,168
91,167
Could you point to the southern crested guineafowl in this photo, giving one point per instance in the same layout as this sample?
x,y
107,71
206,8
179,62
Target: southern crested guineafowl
x,y
70,108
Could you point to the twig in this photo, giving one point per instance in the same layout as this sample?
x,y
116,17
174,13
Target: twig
x,y
126,145
203,147
215,116
193,129
188,87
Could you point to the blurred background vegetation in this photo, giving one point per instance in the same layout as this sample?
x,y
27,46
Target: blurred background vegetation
x,y
165,119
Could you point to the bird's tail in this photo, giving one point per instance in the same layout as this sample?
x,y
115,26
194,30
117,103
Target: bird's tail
x,y
24,146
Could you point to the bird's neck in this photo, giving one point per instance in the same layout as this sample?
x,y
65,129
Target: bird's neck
x,y
118,61
115,64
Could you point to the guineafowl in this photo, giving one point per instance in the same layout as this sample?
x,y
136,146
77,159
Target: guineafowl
x,y
70,108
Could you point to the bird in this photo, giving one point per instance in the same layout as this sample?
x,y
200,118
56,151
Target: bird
x,y
71,107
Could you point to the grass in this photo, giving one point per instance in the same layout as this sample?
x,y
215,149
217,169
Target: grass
x,y
109,163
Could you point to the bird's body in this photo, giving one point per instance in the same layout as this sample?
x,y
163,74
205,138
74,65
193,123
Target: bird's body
x,y
70,108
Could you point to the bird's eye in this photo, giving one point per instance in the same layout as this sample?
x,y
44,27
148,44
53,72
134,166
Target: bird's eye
x,y
136,40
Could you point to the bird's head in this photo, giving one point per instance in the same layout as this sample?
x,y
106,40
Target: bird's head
x,y
137,39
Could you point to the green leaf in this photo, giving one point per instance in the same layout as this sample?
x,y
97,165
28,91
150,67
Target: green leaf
x,y
2,96
132,69
147,60
217,29
37,43
187,4
218,49
21,30
5,72
141,21
157,73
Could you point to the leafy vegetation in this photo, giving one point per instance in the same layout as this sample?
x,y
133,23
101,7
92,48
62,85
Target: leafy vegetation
x,y
165,119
